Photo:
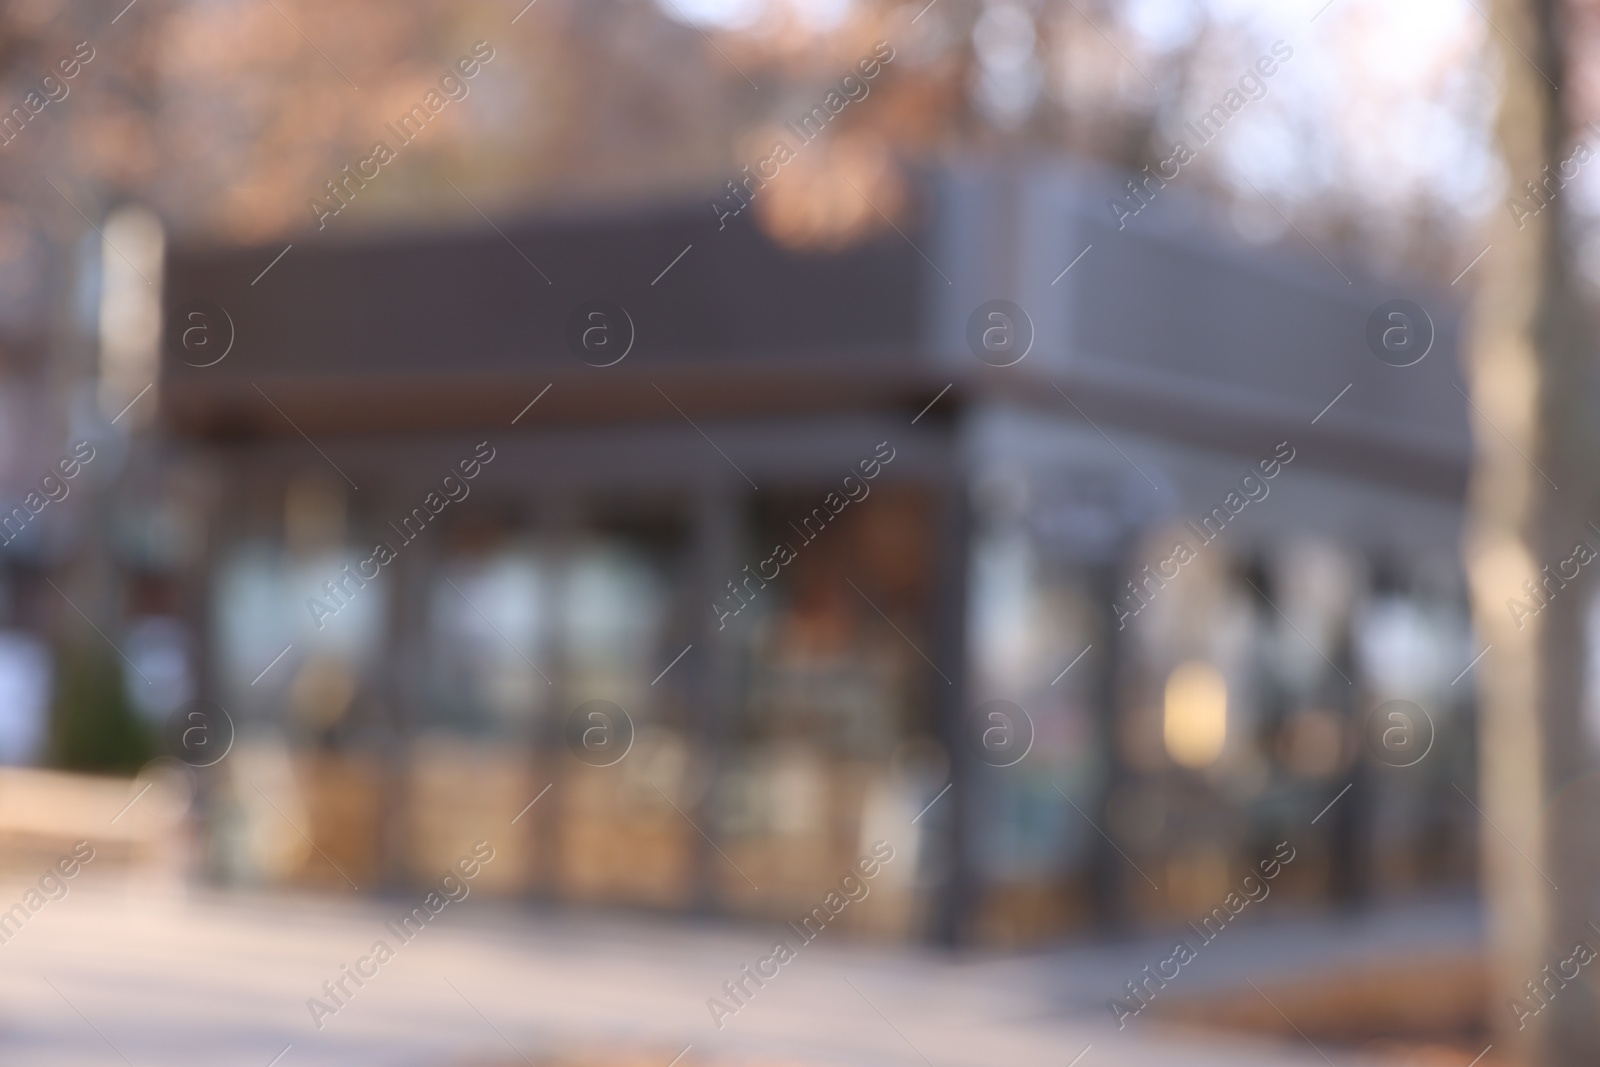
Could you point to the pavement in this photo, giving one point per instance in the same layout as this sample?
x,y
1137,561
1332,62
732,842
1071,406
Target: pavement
x,y
168,976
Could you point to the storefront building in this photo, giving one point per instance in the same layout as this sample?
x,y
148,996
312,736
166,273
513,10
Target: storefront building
x,y
683,592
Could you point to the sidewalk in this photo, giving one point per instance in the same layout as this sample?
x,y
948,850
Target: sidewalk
x,y
223,981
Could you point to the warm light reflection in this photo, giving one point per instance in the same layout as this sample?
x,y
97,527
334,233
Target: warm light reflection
x,y
1195,725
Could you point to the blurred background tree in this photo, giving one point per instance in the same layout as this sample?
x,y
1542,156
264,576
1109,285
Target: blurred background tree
x,y
228,117
93,725
1531,367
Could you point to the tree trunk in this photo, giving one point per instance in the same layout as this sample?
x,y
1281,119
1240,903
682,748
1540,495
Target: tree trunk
x,y
1530,499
